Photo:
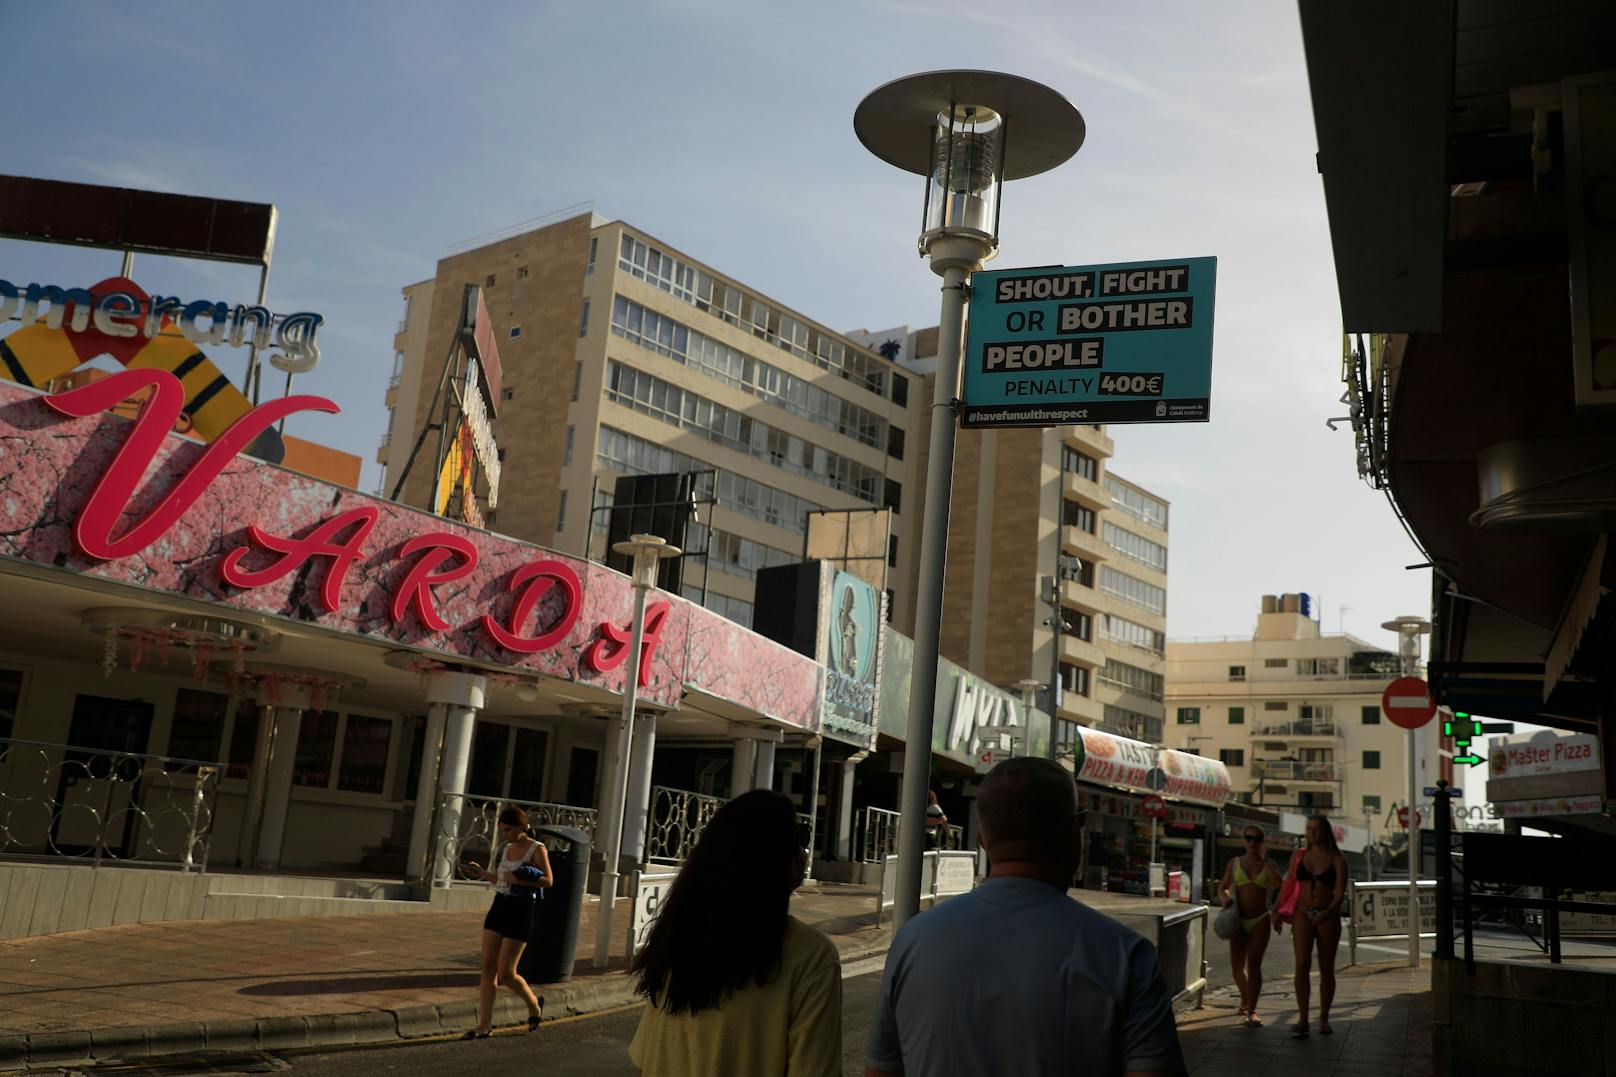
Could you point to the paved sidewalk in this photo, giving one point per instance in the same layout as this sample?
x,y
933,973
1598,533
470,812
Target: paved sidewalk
x,y
1381,1019
166,988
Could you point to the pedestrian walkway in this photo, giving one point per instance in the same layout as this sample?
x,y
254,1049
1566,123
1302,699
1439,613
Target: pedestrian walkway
x,y
164,988
1381,1019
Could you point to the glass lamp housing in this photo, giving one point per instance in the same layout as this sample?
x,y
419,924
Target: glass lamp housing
x,y
966,177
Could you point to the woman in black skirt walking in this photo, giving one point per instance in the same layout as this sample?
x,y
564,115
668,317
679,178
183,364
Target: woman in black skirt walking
x,y
522,871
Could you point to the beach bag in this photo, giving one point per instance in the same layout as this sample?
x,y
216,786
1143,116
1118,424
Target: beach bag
x,y
1226,924
1289,892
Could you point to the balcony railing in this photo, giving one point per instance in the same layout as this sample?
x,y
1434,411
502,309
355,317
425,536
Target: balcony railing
x,y
96,805
1290,770
875,835
1306,727
465,828
678,817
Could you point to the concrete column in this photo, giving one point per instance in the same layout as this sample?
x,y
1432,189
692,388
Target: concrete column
x,y
842,822
460,695
763,774
278,786
252,815
742,766
426,794
606,805
638,806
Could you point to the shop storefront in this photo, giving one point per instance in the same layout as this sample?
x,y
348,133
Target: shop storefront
x,y
1115,778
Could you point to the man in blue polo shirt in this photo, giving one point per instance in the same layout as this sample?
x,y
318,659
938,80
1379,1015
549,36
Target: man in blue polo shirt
x,y
1016,977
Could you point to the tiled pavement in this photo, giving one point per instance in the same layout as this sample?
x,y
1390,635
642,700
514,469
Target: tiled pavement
x,y
140,989
1381,1019
245,983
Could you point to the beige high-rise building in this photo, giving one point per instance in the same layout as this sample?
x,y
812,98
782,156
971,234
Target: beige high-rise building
x,y
1295,715
1031,505
622,355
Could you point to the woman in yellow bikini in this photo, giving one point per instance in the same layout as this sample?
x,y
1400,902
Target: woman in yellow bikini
x,y
1250,881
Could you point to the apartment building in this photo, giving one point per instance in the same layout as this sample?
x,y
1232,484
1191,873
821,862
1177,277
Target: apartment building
x,y
624,356
1031,505
1295,715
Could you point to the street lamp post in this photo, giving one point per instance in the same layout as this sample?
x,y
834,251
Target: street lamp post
x,y
951,126
1409,630
1029,703
647,552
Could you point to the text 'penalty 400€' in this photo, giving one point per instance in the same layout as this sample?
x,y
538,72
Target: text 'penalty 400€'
x,y
1123,343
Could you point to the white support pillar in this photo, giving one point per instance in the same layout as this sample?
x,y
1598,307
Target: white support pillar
x,y
426,795
842,825
637,807
461,696
288,718
252,815
607,806
763,773
742,766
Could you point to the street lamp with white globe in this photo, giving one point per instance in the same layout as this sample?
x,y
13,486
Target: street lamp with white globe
x,y
966,132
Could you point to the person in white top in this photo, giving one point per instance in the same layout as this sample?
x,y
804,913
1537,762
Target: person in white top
x,y
522,872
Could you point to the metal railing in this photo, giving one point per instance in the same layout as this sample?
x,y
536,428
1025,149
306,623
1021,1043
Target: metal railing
x,y
1291,770
875,835
90,804
677,818
1307,727
464,828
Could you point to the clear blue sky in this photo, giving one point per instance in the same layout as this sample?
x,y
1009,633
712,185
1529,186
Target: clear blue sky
x,y
385,133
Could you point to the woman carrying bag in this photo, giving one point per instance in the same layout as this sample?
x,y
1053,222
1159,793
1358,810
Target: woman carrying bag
x,y
1249,882
1315,886
520,875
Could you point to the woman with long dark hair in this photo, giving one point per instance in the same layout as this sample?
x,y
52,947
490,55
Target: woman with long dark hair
x,y
1321,873
733,983
522,871
1249,883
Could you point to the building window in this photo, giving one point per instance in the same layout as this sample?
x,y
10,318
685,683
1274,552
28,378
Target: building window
x,y
891,601
1274,705
243,741
561,512
10,696
895,442
1066,734
1135,548
1371,715
1190,751
594,246
1136,503
510,394
900,390
1237,673
1074,680
1189,716
1121,630
516,331
521,272
198,725
892,551
1147,596
1080,464
1276,663
1133,679
1080,625
1371,805
1318,667
577,379
1232,757
892,496
316,740
1371,760
1078,516
1237,716
566,455
583,323
365,742
489,283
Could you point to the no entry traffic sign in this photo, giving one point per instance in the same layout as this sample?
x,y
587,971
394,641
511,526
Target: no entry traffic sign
x,y
1155,806
1407,702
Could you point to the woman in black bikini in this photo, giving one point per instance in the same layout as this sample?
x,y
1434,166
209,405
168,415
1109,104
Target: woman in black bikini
x,y
1322,872
522,870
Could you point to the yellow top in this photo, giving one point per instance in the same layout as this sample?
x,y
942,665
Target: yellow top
x,y
789,1027
1265,877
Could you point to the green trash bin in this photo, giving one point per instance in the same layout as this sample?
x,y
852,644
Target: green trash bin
x,y
549,955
